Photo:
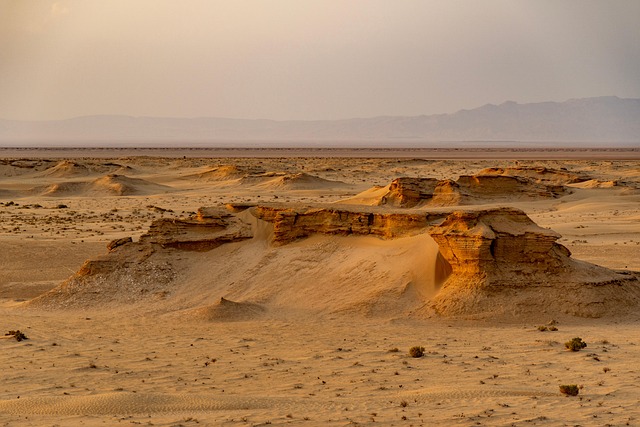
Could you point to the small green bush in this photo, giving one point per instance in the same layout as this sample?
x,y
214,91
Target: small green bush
x,y
575,344
570,389
416,351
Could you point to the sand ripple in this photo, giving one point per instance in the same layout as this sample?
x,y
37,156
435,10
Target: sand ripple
x,y
121,403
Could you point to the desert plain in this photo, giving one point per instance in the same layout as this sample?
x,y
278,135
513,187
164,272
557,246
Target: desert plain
x,y
175,289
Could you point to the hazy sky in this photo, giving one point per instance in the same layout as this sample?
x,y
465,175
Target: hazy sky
x,y
309,59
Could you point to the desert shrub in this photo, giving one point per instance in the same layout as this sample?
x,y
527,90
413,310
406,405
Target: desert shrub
x,y
19,336
570,389
575,344
416,351
553,328
542,328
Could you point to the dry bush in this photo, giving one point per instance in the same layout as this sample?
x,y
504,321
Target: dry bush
x,y
569,389
416,351
575,344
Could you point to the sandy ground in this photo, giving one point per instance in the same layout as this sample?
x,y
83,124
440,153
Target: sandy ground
x,y
128,364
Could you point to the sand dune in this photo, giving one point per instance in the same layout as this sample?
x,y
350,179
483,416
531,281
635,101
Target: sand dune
x,y
299,181
108,185
226,173
74,169
122,185
67,169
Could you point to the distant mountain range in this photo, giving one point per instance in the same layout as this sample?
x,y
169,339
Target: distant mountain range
x,y
598,121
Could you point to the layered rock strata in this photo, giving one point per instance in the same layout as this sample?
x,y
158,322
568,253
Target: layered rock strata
x,y
293,223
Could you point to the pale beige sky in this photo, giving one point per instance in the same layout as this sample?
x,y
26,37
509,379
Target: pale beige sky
x,y
309,59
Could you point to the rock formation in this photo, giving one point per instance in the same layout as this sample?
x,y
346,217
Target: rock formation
x,y
211,228
499,262
538,174
409,192
291,223
467,190
503,264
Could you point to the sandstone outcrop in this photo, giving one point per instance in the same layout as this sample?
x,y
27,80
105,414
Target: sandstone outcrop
x,y
211,228
409,192
290,223
466,190
504,265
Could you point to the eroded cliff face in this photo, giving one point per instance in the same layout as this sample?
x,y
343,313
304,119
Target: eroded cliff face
x,y
491,243
294,223
504,265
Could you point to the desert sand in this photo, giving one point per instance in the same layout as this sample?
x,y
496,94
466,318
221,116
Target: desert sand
x,y
288,289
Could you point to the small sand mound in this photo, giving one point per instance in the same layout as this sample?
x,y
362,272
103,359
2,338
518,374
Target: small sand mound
x,y
108,185
67,169
370,197
63,189
115,168
229,311
73,169
300,181
122,185
226,173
